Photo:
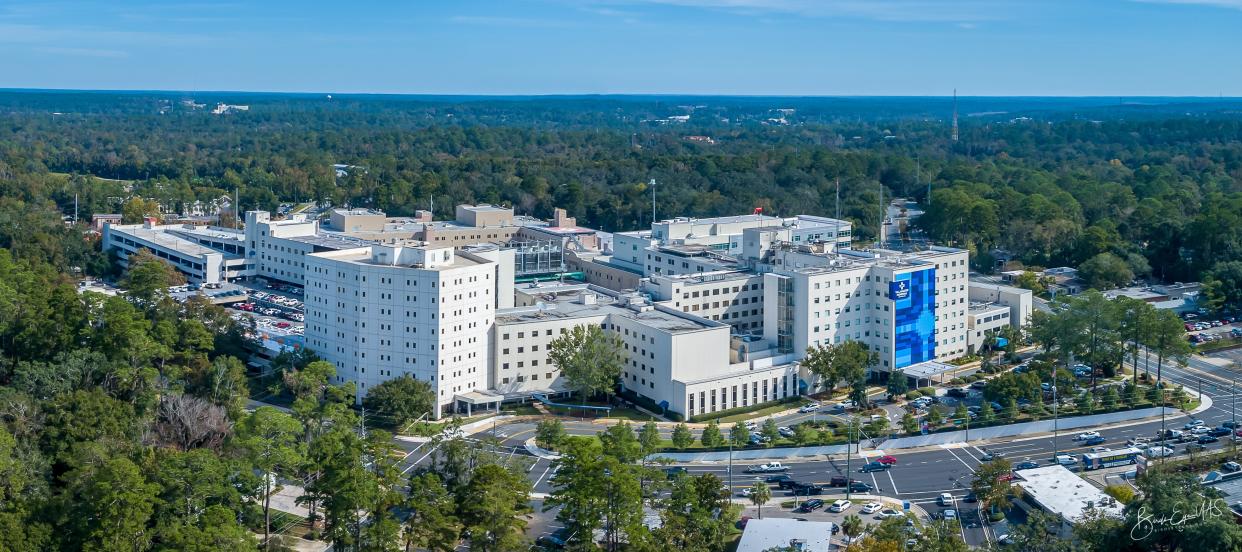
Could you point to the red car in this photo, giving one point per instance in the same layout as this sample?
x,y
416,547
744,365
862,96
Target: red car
x,y
887,460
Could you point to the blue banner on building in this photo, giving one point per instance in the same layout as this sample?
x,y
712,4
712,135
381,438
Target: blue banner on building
x,y
914,303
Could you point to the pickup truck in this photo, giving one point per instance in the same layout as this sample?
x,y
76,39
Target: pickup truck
x,y
767,468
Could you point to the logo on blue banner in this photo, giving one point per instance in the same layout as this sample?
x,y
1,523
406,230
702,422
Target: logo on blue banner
x,y
898,290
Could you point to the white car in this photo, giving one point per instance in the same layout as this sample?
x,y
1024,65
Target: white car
x,y
1100,449
888,513
1087,435
950,514
1193,424
847,404
871,507
750,424
1159,452
840,506
785,431
744,493
945,499
810,407
1136,441
1200,430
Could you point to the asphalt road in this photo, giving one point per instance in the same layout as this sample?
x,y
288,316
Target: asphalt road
x,y
918,477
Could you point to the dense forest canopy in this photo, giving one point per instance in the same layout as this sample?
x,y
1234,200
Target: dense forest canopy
x,y
1055,181
122,419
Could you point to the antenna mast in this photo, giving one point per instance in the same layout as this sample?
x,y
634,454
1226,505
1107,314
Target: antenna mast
x,y
954,114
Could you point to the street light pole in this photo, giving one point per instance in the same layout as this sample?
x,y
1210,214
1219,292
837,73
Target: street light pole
x,y
1055,404
849,445
730,463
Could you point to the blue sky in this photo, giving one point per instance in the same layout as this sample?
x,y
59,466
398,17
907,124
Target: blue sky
x,y
799,47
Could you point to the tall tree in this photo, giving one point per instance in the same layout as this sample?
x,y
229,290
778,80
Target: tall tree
x,y
400,400
492,508
432,523
589,359
270,439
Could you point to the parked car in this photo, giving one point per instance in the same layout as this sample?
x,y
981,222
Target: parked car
x,y
785,431
1195,447
979,384
809,407
810,506
959,392
1207,439
889,513
871,507
1220,432
840,506
1230,467
557,540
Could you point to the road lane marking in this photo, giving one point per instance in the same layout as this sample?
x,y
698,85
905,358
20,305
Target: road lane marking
x,y
545,473
893,482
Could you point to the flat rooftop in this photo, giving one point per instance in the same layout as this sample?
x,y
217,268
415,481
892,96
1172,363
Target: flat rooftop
x,y
215,232
779,533
1062,492
731,219
330,241
978,307
363,255
569,306
160,236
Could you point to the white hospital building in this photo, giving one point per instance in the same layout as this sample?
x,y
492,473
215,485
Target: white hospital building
x,y
713,314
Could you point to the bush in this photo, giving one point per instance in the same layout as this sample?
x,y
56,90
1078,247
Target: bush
x,y
1123,493
956,381
911,395
928,391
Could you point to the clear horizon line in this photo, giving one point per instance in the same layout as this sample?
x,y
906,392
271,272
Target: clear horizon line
x,y
597,94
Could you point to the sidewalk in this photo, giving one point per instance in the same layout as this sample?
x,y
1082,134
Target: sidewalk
x,y
1110,420
785,453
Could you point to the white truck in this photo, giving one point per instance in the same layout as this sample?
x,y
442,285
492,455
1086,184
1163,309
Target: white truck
x,y
769,467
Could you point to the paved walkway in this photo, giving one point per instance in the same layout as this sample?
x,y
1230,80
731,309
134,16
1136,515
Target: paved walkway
x,y
755,454
1011,430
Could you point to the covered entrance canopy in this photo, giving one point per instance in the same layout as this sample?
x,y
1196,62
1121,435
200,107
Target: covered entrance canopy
x,y
477,400
926,373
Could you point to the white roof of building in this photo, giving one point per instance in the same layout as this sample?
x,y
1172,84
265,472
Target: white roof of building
x,y
160,236
927,369
1062,492
765,534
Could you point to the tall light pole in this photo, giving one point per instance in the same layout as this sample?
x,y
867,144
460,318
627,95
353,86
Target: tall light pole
x,y
849,445
652,183
730,462
1054,412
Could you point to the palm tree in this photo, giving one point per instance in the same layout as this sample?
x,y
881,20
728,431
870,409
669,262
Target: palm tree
x,y
760,494
852,526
